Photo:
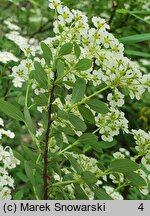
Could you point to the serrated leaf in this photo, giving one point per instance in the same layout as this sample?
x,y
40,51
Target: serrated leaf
x,y
79,193
74,163
88,139
78,90
136,180
41,100
29,173
98,106
77,123
60,69
86,114
83,64
135,38
100,194
123,166
89,177
77,50
105,144
66,49
74,120
40,75
28,121
11,110
47,54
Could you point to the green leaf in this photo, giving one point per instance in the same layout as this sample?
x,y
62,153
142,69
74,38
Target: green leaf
x,y
74,163
123,166
79,193
63,114
78,90
136,180
86,114
40,75
77,123
137,53
18,156
29,173
28,121
74,120
88,139
66,49
60,69
122,11
18,195
22,176
135,38
105,144
47,54
67,130
89,178
98,106
29,153
83,64
11,110
41,100
77,50
100,194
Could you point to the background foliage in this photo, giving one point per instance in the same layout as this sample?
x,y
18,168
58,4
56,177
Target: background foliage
x,y
126,19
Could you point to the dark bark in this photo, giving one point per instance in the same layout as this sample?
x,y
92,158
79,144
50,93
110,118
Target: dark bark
x,y
45,172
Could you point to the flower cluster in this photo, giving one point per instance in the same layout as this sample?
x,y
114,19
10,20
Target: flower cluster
x,y
28,46
111,191
107,66
111,123
89,164
7,57
7,133
142,140
7,162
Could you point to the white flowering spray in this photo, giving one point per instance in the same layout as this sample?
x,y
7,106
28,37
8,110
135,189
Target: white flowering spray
x,y
66,81
7,162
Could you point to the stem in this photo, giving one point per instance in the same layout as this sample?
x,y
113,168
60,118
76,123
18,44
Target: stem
x,y
45,175
87,98
69,147
64,183
27,93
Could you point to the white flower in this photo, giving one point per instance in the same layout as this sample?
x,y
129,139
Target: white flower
x,y
40,131
37,89
1,122
7,57
117,178
146,161
54,4
144,190
11,25
96,77
111,123
112,193
118,155
65,14
100,23
5,194
116,98
124,151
